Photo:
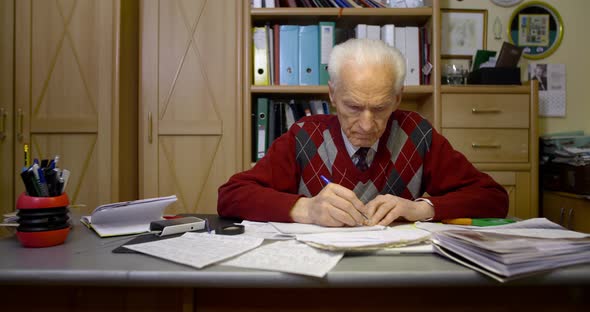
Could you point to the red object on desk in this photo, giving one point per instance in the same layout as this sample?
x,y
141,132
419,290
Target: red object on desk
x,y
41,229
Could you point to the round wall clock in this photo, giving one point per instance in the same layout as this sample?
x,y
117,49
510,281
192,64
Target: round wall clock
x,y
506,3
537,28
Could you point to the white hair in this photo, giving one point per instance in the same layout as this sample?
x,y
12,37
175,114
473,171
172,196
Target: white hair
x,y
365,52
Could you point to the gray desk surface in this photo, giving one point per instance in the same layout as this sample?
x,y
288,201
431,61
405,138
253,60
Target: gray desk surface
x,y
86,259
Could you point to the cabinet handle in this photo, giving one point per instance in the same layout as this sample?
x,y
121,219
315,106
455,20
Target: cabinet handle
x,y
150,128
569,218
2,124
477,145
20,120
485,111
561,214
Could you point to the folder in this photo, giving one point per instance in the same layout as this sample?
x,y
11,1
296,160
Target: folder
x,y
388,34
373,32
360,31
261,135
327,38
276,53
412,56
309,58
260,54
400,41
288,55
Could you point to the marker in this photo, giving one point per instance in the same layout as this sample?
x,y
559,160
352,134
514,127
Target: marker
x,y
27,156
478,221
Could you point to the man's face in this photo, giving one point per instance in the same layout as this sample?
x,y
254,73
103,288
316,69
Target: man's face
x,y
364,100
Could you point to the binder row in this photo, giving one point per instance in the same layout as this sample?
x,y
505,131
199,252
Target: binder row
x,y
273,117
335,3
299,55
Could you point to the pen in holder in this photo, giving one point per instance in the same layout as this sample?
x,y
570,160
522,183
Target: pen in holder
x,y
42,221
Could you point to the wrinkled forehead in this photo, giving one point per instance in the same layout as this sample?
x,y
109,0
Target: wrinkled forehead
x,y
361,82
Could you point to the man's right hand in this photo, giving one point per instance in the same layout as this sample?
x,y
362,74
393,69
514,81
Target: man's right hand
x,y
335,205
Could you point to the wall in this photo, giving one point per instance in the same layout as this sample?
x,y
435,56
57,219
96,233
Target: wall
x,y
573,52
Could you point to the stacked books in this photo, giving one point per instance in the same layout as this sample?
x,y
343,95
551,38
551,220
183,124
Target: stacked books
x,y
513,251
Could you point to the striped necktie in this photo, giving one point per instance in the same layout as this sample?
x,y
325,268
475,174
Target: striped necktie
x,y
361,158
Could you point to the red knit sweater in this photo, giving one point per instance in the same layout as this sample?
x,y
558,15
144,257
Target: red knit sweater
x,y
412,158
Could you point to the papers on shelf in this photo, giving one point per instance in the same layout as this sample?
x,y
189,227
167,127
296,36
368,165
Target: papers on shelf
x,y
198,249
124,218
515,250
290,257
396,236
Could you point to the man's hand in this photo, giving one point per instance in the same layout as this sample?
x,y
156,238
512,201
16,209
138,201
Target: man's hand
x,y
385,209
335,205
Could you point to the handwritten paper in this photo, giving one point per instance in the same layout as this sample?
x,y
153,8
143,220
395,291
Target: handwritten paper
x,y
290,257
368,240
198,249
300,228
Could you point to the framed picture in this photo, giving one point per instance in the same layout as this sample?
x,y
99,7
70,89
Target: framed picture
x,y
537,28
463,32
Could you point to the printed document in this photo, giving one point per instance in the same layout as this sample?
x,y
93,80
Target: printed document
x,y
290,257
198,249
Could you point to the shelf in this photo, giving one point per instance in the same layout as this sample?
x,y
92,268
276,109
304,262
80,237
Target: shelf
x,y
509,89
410,92
408,17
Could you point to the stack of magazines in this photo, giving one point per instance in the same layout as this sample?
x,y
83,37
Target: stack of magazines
x,y
508,252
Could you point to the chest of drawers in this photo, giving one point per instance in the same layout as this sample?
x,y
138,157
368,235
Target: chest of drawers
x,y
495,127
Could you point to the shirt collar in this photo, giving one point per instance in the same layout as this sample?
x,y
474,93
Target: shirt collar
x,y
351,149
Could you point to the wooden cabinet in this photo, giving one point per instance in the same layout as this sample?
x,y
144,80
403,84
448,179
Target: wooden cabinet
x,y
570,210
74,95
495,127
190,139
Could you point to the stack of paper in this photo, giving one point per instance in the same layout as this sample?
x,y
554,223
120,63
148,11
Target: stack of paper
x,y
508,252
396,236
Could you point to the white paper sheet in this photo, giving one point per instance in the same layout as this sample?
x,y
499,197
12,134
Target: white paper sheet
x,y
300,228
264,230
198,249
290,257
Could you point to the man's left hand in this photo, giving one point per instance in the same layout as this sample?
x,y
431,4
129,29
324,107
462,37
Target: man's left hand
x,y
385,209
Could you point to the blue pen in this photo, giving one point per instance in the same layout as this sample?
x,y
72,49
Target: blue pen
x,y
327,181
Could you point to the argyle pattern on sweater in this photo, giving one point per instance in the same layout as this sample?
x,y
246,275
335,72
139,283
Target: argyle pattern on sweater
x,y
396,168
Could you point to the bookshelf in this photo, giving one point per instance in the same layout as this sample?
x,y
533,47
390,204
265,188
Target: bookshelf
x,y
421,98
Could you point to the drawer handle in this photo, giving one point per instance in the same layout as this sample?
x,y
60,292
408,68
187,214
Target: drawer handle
x,y
2,124
561,214
477,145
150,128
485,111
569,218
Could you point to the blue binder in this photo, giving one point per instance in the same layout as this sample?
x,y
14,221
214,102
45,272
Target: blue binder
x,y
289,62
309,55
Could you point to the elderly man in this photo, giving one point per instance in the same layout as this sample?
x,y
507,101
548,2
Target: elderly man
x,y
369,164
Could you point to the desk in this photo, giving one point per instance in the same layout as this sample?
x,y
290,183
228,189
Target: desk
x,y
83,274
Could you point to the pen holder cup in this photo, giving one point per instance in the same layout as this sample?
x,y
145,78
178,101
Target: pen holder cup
x,y
42,221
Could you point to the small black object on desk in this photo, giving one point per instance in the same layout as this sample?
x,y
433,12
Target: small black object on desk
x,y
495,76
